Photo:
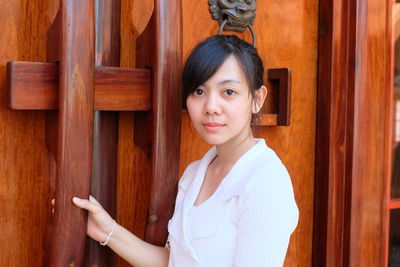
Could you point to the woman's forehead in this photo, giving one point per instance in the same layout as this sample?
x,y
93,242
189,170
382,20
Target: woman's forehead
x,y
229,72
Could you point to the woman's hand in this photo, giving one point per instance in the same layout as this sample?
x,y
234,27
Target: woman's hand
x,y
100,222
134,250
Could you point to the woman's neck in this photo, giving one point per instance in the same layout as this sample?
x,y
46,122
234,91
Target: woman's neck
x,y
230,152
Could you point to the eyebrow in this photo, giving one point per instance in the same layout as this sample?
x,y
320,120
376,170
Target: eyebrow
x,y
224,82
228,81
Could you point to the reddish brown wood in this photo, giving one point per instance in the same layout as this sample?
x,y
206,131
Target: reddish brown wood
x,y
371,142
24,188
75,131
393,23
335,80
52,117
328,228
351,130
268,120
54,39
122,89
133,164
164,34
283,78
394,204
34,86
105,132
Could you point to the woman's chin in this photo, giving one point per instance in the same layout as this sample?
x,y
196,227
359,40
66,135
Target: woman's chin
x,y
214,140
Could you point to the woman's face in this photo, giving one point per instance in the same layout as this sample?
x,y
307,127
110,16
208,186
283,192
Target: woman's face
x,y
221,108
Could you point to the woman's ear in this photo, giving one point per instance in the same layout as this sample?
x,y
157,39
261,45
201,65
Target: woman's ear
x,y
259,98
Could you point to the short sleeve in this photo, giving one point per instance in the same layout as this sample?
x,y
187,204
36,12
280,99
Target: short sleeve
x,y
268,215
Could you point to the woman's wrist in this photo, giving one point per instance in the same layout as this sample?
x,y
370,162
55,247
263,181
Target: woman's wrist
x,y
108,236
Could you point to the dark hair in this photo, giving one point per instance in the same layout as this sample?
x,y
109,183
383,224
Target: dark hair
x,y
206,58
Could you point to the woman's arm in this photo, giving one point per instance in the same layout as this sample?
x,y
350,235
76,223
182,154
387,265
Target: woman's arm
x,y
131,248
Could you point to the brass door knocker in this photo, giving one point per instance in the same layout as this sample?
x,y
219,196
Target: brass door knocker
x,y
234,15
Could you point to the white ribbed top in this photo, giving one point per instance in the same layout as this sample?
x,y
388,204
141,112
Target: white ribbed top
x,y
248,220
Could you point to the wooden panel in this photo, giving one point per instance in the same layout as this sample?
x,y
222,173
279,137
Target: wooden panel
x,y
122,89
164,35
335,71
105,128
75,131
24,187
133,165
352,163
284,41
371,127
34,86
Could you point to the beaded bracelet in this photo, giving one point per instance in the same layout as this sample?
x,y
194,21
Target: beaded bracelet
x,y
109,235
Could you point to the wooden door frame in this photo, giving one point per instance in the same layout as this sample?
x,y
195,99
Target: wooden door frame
x,y
353,123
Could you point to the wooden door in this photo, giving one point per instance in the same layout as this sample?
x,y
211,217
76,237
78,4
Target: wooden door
x,y
284,41
24,185
287,33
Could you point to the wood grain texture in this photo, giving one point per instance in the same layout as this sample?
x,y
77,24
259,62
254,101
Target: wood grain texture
x,y
284,41
34,86
105,127
133,184
370,146
335,71
164,35
122,89
352,158
392,202
24,187
74,162
135,16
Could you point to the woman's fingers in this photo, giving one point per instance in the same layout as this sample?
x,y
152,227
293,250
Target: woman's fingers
x,y
92,199
53,202
84,204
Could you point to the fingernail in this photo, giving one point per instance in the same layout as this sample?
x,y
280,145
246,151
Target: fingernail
x,y
76,199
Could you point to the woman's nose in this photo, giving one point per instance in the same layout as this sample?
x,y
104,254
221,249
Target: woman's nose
x,y
212,105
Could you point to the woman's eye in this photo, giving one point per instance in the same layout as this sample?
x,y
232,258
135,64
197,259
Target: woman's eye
x,y
198,91
229,92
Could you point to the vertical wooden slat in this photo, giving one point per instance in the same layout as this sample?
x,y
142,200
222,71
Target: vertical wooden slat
x,y
75,131
334,71
353,82
166,117
370,158
164,36
105,137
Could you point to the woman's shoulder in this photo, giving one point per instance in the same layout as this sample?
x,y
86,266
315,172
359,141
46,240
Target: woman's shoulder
x,y
269,192
261,171
270,185
268,173
266,166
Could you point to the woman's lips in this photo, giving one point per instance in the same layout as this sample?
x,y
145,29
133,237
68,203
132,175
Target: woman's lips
x,y
212,127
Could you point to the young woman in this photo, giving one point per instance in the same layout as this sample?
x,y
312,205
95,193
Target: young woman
x,y
235,206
